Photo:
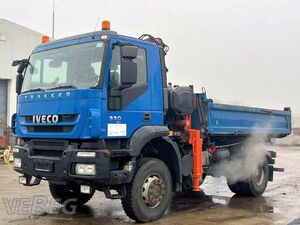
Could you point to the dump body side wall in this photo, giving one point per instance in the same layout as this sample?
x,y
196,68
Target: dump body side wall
x,y
222,119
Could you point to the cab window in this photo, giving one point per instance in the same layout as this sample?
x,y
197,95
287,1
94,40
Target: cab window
x,y
114,83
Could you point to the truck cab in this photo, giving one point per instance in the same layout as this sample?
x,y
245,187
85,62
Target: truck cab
x,y
86,87
81,101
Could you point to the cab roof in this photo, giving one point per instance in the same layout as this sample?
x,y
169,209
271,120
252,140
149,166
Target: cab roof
x,y
90,34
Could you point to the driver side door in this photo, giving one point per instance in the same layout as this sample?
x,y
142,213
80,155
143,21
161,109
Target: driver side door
x,y
132,107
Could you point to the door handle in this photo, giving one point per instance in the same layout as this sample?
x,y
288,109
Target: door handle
x,y
147,117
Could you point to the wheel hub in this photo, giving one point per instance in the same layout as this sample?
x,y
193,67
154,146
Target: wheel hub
x,y
260,176
153,191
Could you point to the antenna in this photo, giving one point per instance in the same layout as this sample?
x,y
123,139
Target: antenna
x,y
53,1
97,23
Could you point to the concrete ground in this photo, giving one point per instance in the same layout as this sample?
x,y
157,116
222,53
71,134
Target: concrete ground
x,y
280,204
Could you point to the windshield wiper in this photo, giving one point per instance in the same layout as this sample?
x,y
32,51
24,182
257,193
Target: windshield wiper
x,y
62,87
33,90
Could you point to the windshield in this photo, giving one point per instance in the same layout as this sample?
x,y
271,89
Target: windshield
x,y
70,67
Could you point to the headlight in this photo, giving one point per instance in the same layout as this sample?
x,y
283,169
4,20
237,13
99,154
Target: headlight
x,y
85,189
85,169
17,162
86,154
15,150
22,180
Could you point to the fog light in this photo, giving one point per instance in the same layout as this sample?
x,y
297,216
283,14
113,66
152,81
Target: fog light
x,y
85,169
15,150
128,166
86,154
22,180
85,189
17,162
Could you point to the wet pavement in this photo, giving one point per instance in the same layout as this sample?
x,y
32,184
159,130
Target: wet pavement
x,y
280,204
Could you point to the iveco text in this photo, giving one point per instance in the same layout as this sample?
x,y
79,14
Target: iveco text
x,y
45,119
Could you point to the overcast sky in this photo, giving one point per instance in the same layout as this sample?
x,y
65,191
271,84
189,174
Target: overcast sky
x,y
242,52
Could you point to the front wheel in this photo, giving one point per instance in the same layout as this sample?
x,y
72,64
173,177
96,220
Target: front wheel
x,y
150,192
253,186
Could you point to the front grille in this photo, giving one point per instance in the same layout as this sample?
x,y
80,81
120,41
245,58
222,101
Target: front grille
x,y
55,144
45,143
50,129
46,153
61,118
48,147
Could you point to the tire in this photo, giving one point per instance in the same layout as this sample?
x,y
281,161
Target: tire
x,y
253,186
66,194
138,204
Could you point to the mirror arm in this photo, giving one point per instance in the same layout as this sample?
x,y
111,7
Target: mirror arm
x,y
22,65
116,92
121,44
123,86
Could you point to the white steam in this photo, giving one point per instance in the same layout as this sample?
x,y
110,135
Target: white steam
x,y
245,163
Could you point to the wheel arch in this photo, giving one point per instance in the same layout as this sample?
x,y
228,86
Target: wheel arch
x,y
143,135
153,141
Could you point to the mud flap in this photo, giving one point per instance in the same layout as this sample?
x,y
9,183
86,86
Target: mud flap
x,y
271,171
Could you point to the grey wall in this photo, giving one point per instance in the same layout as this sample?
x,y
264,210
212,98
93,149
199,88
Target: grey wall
x,y
16,42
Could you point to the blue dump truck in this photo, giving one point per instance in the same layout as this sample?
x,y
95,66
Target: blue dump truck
x,y
95,113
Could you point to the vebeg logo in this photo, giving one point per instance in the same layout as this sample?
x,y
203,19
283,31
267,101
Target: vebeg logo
x,y
45,119
37,205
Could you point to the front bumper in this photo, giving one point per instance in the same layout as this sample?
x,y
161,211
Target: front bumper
x,y
61,170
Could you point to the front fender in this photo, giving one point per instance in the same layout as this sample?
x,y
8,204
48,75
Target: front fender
x,y
143,135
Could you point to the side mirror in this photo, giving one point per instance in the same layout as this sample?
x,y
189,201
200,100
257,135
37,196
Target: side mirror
x,y
19,82
129,52
128,67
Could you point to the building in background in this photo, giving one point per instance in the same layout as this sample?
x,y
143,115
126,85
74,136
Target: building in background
x,y
16,42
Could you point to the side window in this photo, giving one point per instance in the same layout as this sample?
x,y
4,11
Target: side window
x,y
141,62
115,68
115,101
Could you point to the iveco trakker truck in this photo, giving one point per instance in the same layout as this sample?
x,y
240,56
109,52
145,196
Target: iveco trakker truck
x,y
95,113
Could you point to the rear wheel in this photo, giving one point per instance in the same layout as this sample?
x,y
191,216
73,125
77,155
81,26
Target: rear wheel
x,y
69,194
253,186
150,192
